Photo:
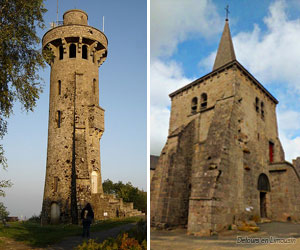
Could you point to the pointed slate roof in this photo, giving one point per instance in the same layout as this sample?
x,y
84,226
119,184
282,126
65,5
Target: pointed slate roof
x,y
225,59
225,52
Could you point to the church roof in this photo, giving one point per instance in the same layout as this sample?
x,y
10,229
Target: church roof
x,y
225,59
225,52
225,67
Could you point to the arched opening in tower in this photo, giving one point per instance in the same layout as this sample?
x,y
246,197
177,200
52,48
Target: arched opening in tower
x,y
72,50
84,52
61,52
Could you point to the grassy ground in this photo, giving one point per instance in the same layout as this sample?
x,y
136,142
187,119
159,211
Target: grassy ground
x,y
36,235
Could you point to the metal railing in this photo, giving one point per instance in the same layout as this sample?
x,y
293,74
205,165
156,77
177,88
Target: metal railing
x,y
55,24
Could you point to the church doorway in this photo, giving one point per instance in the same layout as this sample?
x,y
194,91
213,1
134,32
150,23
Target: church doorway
x,y
263,205
263,187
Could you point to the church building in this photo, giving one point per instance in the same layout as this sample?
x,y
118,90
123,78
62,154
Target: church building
x,y
223,161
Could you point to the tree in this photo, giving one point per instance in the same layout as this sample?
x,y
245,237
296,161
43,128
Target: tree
x,y
19,60
3,213
128,193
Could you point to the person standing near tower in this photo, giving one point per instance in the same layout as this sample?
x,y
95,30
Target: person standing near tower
x,y
87,216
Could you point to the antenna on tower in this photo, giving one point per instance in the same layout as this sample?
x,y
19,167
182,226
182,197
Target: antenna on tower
x,y
103,25
57,13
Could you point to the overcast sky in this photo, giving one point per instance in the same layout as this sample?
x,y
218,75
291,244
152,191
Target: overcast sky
x,y
184,40
122,80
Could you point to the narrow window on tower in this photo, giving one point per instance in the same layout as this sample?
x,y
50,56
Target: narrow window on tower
x,y
271,151
72,51
58,118
94,86
257,104
61,52
84,52
59,87
203,101
194,105
55,186
262,110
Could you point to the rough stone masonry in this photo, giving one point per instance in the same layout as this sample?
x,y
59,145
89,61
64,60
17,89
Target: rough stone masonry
x,y
76,124
223,162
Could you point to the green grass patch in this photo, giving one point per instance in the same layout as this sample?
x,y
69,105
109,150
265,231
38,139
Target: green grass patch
x,y
36,235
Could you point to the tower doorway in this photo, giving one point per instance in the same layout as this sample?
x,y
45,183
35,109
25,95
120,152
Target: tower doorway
x,y
94,182
263,187
55,213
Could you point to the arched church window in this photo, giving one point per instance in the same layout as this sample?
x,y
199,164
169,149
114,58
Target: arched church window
x,y
203,101
72,51
61,52
257,104
194,105
262,110
84,52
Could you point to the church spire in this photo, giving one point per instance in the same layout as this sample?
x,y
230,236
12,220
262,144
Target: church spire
x,y
225,52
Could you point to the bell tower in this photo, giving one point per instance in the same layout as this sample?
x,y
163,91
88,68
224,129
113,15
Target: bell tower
x,y
76,121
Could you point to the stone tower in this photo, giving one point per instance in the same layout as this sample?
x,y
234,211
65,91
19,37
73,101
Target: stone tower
x,y
76,121
223,162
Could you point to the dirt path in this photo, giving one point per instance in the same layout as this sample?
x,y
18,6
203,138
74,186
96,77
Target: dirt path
x,y
68,243
72,242
178,239
10,244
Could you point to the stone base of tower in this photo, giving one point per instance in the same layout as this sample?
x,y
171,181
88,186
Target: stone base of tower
x,y
105,207
108,206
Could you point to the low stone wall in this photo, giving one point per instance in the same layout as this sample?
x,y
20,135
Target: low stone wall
x,y
108,206
285,192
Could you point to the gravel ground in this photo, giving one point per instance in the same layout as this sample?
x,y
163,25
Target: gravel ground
x,y
178,239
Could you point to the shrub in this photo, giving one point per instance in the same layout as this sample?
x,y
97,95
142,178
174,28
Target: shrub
x,y
122,242
139,232
35,218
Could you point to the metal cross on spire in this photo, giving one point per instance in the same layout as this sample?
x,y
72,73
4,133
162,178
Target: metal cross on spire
x,y
227,12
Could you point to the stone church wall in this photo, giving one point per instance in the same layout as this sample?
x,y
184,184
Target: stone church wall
x,y
229,143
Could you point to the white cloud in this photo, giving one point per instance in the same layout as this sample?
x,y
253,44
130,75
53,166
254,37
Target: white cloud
x,y
273,55
174,21
289,121
159,120
165,78
288,124
291,147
